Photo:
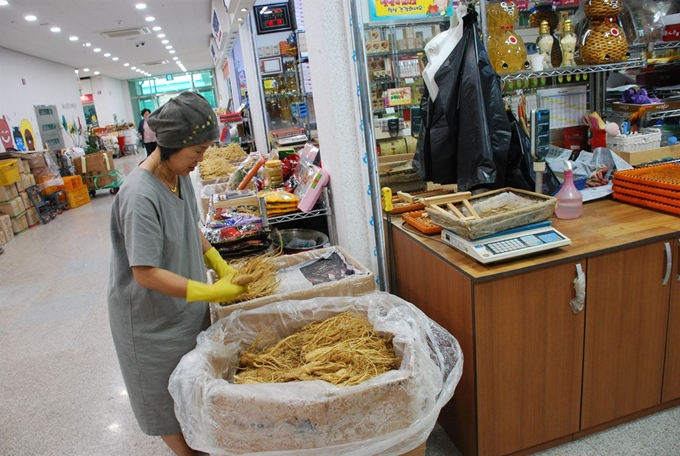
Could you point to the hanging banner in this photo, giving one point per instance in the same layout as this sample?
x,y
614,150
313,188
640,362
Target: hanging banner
x,y
381,10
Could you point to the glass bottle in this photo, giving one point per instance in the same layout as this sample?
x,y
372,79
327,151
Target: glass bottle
x,y
568,44
545,44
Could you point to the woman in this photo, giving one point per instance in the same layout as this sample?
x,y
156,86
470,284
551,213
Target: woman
x,y
157,292
146,134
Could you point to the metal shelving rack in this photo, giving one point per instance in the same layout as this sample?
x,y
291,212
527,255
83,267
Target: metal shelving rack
x,y
322,208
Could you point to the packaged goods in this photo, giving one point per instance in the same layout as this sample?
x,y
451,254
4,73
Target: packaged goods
x,y
7,192
19,223
3,239
13,207
391,413
32,216
97,170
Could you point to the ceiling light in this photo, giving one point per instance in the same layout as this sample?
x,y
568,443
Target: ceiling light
x,y
149,19
97,49
133,68
107,54
244,10
4,3
73,38
172,52
165,41
30,18
138,70
140,6
115,59
240,19
96,73
156,28
77,71
87,44
126,64
175,58
161,35
86,69
55,30
168,47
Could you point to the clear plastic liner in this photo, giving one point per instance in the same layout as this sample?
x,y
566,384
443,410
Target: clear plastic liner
x,y
390,414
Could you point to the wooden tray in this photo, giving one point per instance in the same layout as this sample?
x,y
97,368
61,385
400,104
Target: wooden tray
x,y
421,221
495,211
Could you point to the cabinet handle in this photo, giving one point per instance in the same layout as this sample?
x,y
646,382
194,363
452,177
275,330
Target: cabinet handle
x,y
580,286
669,263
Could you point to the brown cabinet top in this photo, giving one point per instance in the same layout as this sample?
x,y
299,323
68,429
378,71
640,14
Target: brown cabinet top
x,y
605,225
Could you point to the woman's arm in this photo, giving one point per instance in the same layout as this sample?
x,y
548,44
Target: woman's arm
x,y
205,245
161,280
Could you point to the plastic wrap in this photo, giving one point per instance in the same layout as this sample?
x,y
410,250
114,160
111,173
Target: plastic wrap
x,y
361,281
390,414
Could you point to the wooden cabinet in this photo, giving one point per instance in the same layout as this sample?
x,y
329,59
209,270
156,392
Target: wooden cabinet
x,y
529,359
535,374
671,381
626,320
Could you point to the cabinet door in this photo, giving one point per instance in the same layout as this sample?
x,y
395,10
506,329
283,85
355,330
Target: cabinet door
x,y
529,347
626,316
671,381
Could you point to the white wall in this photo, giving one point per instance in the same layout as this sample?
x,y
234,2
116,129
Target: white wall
x,y
26,81
111,97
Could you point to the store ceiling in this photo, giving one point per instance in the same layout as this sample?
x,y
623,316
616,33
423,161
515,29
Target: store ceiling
x,y
186,24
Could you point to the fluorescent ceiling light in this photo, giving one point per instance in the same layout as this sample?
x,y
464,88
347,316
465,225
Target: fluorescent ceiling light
x,y
4,3
87,44
115,59
73,38
175,58
55,30
140,6
165,41
172,52
97,49
108,54
168,47
86,69
126,64
156,28
161,35
77,71
149,19
30,18
96,73
133,68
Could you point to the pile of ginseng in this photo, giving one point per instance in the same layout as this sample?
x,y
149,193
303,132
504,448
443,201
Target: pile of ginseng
x,y
344,350
221,161
258,274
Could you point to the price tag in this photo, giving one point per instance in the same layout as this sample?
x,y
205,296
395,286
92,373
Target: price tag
x,y
409,81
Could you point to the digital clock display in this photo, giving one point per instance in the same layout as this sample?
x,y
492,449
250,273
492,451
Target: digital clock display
x,y
272,18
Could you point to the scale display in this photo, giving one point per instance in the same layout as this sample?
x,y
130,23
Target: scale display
x,y
272,18
515,244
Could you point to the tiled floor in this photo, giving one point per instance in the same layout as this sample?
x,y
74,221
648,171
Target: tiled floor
x,y
61,392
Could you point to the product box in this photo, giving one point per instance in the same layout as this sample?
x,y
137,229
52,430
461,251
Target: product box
x,y
37,173
7,192
13,207
3,238
19,223
654,107
95,169
359,283
28,179
26,199
20,184
32,216
24,167
32,159
5,223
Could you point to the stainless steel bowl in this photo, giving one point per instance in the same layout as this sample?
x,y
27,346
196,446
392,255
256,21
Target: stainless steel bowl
x,y
297,240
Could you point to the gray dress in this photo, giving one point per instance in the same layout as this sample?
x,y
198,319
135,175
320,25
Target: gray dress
x,y
151,331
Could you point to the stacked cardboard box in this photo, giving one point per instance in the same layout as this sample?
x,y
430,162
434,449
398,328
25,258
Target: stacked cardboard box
x,y
97,170
6,229
16,207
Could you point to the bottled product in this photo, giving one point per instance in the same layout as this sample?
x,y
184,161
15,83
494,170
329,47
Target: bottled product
x,y
545,43
569,199
568,44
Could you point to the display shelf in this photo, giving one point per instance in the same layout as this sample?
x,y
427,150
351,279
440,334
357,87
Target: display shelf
x,y
581,69
321,208
664,114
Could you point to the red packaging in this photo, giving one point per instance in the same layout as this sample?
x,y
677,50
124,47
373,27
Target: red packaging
x,y
576,138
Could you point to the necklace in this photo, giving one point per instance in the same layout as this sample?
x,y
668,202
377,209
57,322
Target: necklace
x,y
173,190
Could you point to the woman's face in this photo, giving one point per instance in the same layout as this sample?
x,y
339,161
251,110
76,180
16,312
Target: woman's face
x,y
146,114
186,159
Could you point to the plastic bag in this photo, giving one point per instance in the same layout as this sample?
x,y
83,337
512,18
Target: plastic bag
x,y
389,414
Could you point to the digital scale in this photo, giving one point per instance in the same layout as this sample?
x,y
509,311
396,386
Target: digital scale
x,y
509,244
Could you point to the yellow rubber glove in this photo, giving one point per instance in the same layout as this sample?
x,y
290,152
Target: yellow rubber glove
x,y
221,291
214,261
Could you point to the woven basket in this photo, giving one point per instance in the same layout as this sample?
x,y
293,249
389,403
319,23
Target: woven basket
x,y
501,15
602,9
603,42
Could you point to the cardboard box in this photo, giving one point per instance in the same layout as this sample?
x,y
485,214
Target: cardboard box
x,y
95,169
33,159
354,285
32,216
26,199
37,173
19,223
24,167
6,227
28,179
654,107
3,238
20,184
649,155
13,207
7,192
